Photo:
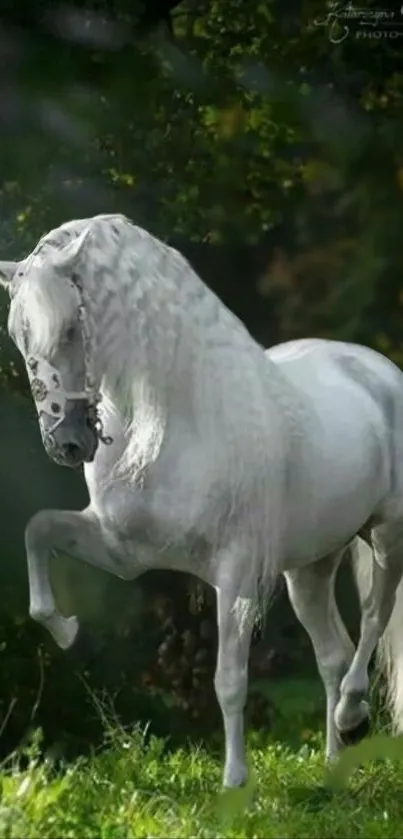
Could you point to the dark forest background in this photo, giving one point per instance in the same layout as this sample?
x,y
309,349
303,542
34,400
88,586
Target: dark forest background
x,y
264,140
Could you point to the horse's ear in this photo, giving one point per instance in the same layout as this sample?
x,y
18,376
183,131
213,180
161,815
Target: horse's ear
x,y
7,273
73,250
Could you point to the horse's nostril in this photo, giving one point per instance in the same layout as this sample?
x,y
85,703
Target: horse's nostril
x,y
71,452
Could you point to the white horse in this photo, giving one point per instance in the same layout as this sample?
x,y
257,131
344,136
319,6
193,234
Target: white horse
x,y
202,453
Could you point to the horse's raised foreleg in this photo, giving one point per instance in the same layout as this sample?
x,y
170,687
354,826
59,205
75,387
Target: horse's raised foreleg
x,y
235,616
56,531
311,591
377,608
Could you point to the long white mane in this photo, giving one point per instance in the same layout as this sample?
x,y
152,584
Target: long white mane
x,y
171,357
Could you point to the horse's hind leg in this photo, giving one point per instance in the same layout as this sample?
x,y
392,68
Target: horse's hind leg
x,y
311,591
387,543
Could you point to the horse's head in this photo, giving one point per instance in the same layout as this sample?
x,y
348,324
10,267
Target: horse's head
x,y
48,323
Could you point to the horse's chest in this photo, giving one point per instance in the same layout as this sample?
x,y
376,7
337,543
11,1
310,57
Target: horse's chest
x,y
148,528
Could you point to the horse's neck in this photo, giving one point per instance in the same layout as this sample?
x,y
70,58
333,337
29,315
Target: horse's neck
x,y
173,358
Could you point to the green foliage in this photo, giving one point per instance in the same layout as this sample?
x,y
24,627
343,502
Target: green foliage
x,y
157,658
138,785
379,747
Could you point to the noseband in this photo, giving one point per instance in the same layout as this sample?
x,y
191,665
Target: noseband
x,y
49,394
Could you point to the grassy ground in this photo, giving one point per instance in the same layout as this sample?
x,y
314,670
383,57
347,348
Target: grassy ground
x,y
134,790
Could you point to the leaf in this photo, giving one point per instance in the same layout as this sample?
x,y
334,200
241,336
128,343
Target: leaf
x,y
378,747
233,802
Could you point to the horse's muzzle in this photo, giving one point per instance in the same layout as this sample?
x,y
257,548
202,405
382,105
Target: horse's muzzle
x,y
73,441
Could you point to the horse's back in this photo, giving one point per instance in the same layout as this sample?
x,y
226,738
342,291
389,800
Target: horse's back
x,y
317,367
356,397
313,353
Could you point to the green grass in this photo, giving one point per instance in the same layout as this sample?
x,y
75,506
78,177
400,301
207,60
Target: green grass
x,y
134,788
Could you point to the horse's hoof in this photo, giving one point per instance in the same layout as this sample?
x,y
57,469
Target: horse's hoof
x,y
86,648
355,735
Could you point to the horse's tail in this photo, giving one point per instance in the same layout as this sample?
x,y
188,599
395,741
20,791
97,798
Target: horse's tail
x,y
390,648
